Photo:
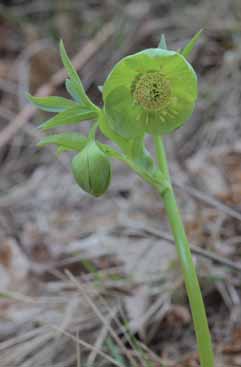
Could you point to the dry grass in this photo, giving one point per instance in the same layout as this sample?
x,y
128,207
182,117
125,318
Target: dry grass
x,y
88,282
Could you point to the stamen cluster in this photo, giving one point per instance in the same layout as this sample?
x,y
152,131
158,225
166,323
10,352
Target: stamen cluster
x,y
151,90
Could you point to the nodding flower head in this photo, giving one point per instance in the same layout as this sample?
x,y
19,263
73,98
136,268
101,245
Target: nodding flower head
x,y
153,91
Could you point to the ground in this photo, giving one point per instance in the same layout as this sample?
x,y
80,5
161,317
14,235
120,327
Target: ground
x,y
96,282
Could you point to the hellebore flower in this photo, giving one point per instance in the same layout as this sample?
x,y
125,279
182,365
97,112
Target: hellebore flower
x,y
153,91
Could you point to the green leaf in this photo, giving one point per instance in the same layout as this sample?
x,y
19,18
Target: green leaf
x,y
110,152
112,135
77,92
74,86
74,90
65,141
61,150
163,44
68,64
73,115
140,155
51,104
191,44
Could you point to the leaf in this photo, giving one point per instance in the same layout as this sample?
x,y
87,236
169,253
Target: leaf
x,y
110,152
140,155
51,104
61,150
71,116
163,44
112,135
191,44
77,92
68,64
75,86
65,141
73,89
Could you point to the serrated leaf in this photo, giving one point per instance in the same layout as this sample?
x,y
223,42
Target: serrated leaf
x,y
65,141
73,115
191,44
51,103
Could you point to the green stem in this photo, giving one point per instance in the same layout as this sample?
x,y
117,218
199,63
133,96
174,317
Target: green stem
x,y
191,281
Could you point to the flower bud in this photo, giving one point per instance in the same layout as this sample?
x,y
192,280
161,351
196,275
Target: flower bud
x,y
92,170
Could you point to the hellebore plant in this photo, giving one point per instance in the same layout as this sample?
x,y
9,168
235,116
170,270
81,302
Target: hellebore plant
x,y
151,92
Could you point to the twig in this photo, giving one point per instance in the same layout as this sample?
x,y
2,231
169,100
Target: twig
x,y
101,317
99,342
208,199
137,229
86,345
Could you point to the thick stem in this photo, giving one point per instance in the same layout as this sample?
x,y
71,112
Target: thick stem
x,y
191,281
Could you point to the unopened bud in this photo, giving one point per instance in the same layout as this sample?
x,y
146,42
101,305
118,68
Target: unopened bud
x,y
92,170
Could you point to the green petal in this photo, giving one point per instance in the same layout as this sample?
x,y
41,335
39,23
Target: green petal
x,y
121,75
125,71
123,116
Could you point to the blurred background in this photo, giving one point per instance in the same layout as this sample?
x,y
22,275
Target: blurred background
x,y
96,282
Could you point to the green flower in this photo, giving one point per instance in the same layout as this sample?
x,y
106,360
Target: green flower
x,y
153,91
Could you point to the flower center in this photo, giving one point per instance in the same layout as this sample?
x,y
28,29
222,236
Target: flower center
x,y
151,90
